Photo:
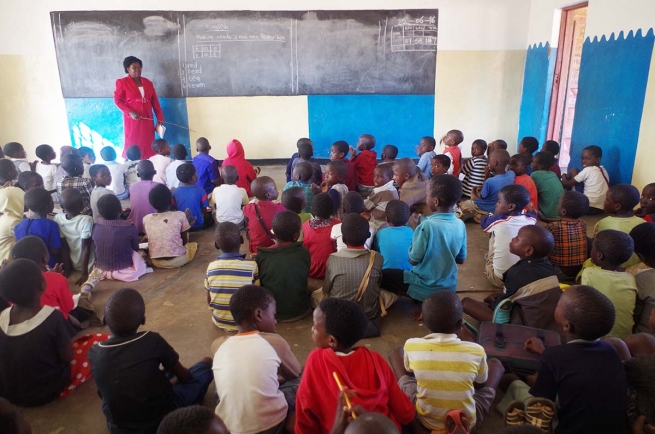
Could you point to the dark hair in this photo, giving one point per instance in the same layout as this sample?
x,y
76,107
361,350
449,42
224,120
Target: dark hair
x,y
516,194
185,172
44,151
125,311
390,151
202,146
353,203
446,188
71,197
133,153
342,147
96,168
430,141
545,158
397,212
130,60
443,159
109,207
596,151
293,198
21,281
27,180
344,319
71,162
39,201
108,153
195,419
482,144
459,135
305,170
500,144
246,300
369,140
354,230
303,140
442,311
523,160
180,152
7,170
145,170
530,143
541,240
30,247
85,151
227,237
591,314
158,145
575,203
338,166
230,174
625,195
643,237
616,246
501,155
551,146
305,150
322,206
160,198
286,225
387,168
12,149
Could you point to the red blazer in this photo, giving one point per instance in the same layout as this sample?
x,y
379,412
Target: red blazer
x,y
138,132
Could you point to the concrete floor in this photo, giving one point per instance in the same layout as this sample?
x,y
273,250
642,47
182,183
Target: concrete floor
x,y
176,308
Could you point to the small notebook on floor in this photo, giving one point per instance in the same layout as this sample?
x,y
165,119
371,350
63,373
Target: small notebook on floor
x,y
143,246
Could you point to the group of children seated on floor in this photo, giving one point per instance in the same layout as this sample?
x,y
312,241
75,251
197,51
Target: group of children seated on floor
x,y
348,247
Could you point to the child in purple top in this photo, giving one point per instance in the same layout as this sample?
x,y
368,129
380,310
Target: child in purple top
x,y
139,191
189,196
116,245
39,201
209,176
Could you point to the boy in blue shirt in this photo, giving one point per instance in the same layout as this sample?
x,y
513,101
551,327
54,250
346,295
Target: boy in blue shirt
x,y
425,151
396,237
208,174
189,196
484,198
438,245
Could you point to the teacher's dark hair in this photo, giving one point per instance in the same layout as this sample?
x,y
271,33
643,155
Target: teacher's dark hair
x,y
130,60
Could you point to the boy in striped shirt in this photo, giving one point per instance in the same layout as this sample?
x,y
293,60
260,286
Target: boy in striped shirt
x,y
473,169
440,373
229,272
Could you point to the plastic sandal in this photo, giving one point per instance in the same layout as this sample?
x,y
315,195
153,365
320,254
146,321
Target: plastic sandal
x,y
515,414
456,422
539,412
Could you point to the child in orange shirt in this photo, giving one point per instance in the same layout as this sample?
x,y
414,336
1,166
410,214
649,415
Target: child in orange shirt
x,y
519,164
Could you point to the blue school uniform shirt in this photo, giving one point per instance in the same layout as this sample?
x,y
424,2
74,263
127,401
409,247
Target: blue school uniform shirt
x,y
289,168
425,164
207,169
438,241
45,229
393,244
490,190
194,198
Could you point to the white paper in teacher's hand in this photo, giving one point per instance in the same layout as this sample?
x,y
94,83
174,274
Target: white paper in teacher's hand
x,y
160,129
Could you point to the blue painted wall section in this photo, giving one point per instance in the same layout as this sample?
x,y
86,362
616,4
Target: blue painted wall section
x,y
97,122
537,88
400,120
612,89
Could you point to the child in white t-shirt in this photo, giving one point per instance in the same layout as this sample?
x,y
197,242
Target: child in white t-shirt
x,y
160,160
133,154
117,171
352,203
593,176
47,170
229,199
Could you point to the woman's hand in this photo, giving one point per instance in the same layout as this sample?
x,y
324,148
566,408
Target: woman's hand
x,y
134,115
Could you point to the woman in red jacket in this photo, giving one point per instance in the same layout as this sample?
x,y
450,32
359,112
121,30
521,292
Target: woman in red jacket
x,y
136,97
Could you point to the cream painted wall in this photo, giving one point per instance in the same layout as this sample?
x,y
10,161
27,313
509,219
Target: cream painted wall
x,y
643,168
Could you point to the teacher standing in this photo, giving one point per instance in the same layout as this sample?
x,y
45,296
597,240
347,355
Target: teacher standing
x,y
136,97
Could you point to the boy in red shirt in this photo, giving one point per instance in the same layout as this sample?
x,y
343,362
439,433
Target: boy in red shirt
x,y
519,164
339,151
259,213
338,325
364,163
451,140
316,235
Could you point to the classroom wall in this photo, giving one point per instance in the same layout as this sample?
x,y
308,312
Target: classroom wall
x,y
480,58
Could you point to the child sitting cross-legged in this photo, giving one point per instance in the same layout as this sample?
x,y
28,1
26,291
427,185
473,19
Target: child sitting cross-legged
x,y
502,227
518,164
338,325
167,232
195,419
101,177
260,213
382,193
301,177
553,147
549,189
339,152
593,176
161,159
230,271
609,250
473,168
28,181
425,151
284,268
334,185
136,392
75,231
74,168
179,153
305,155
133,154
316,235
354,273
256,373
352,204
293,199
643,237
117,170
364,163
189,196
209,175
467,380
229,199
393,241
411,184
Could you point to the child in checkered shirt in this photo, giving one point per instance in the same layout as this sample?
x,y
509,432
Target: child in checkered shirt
x,y
570,233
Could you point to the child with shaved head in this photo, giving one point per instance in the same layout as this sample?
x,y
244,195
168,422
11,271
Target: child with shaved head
x,y
301,177
259,214
229,199
209,175
411,183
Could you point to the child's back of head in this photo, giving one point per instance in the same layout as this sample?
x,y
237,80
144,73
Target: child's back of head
x,y
286,226
133,153
456,135
227,237
589,314
124,312
643,237
293,199
389,152
179,152
355,230
621,199
371,423
14,150
8,171
108,153
366,141
543,160
21,283
515,196
442,312
342,319
32,248
202,146
39,201
161,147
528,145
264,188
230,174
574,204
195,419
305,149
145,170
611,248
447,189
245,304
353,203
72,164
86,153
71,201
30,180
185,173
397,213
160,198
551,146
109,207
322,206
535,242
302,172
45,153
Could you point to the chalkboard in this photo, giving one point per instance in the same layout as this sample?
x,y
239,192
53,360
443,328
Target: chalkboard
x,y
249,53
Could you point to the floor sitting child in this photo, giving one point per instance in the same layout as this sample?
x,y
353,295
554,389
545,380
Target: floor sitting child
x,y
451,142
553,147
352,204
46,169
101,177
117,171
195,419
646,208
473,168
438,245
133,159
439,165
609,250
468,383
338,325
483,199
518,164
316,235
334,185
167,232
527,281
161,159
284,268
74,168
301,177
189,196
339,152
389,154
75,231
12,205
179,153
364,163
230,271
643,237
382,193
256,373
411,184
305,155
14,152
28,181
527,147
136,393
354,273
293,199
139,193
39,201
209,175
425,151
88,157
236,157
259,213
549,190
229,199
593,176
396,238
60,173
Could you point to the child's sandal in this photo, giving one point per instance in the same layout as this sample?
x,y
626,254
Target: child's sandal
x,y
540,413
515,414
456,422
